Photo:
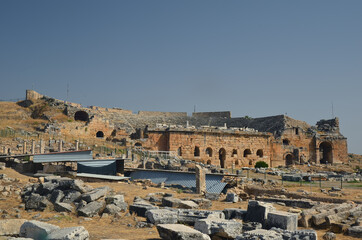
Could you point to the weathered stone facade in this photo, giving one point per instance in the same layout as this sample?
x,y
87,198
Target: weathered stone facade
x,y
211,137
235,147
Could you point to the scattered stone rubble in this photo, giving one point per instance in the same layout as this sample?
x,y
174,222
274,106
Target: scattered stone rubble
x,y
171,215
69,195
23,229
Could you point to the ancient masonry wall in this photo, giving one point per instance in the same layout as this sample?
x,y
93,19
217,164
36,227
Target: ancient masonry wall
x,y
213,148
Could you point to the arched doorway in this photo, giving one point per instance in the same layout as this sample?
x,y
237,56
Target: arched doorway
x,y
81,116
259,153
222,157
99,134
208,152
289,159
325,153
197,152
247,152
179,151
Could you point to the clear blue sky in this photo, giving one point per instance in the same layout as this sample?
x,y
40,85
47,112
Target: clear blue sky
x,y
256,58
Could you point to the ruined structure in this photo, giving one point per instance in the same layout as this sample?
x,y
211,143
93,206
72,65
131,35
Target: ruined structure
x,y
211,137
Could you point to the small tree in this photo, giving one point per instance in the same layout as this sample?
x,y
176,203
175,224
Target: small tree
x,y
261,164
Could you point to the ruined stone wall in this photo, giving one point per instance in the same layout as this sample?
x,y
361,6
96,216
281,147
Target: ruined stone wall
x,y
233,144
33,95
297,143
162,114
226,114
339,149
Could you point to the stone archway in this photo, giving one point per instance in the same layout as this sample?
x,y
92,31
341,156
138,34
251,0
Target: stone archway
x,y
289,159
81,116
325,153
197,152
222,157
100,134
208,152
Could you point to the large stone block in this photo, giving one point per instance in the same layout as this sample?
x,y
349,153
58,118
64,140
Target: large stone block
x,y
189,216
258,211
232,197
71,233
161,216
180,232
112,209
91,209
117,200
284,220
71,196
260,234
63,207
37,230
220,228
355,231
10,226
56,196
36,202
234,213
95,194
141,209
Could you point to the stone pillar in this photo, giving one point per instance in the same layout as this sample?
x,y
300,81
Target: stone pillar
x,y
41,146
33,146
60,145
76,145
24,147
200,180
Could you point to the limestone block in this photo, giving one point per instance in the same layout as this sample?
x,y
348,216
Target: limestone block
x,y
203,202
36,230
234,213
117,200
56,196
221,228
10,226
63,207
91,209
180,232
232,197
284,220
329,236
355,231
260,234
171,202
161,216
71,233
95,194
36,202
112,209
258,211
188,204
141,209
71,196
190,216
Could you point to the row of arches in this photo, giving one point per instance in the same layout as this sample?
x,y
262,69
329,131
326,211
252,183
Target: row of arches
x,y
222,154
209,152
